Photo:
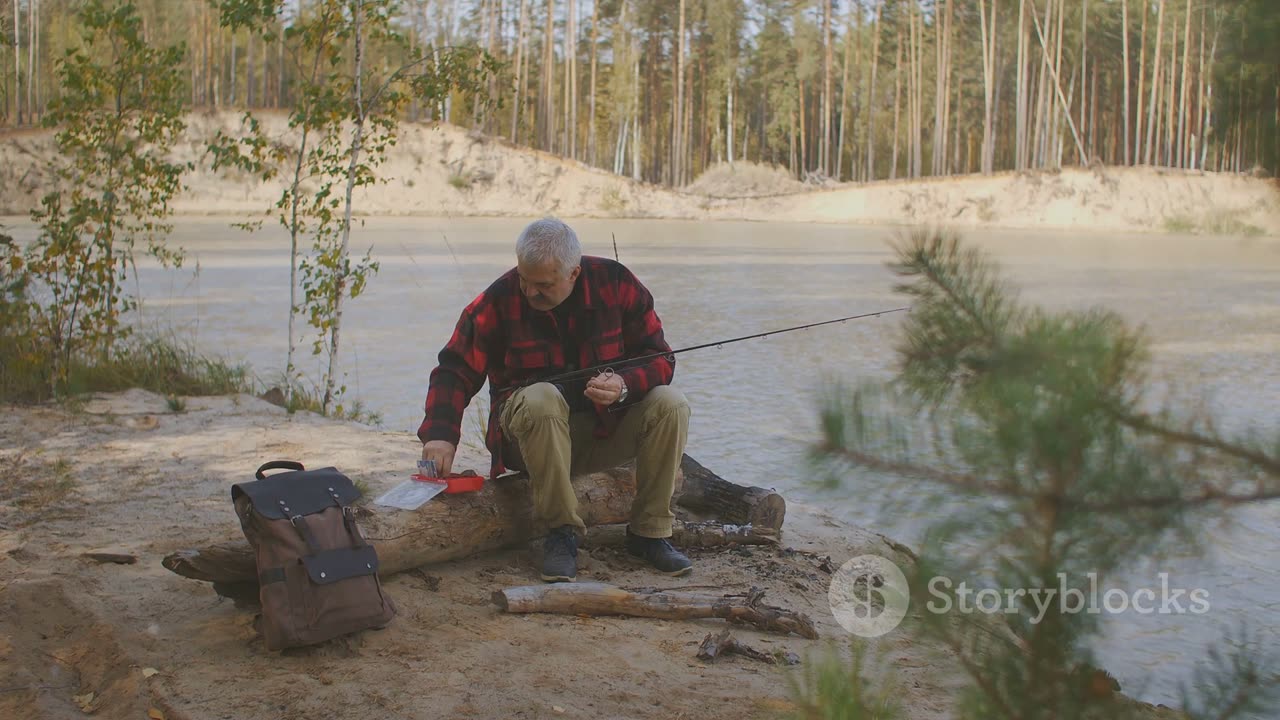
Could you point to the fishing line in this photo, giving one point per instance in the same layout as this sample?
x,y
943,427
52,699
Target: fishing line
x,y
670,354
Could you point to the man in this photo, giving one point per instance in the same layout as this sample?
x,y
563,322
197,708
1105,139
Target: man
x,y
560,311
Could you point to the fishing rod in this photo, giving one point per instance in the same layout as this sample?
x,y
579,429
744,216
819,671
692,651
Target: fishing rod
x,y
610,366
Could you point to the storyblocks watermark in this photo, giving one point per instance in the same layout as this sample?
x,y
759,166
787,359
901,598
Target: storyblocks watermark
x,y
870,596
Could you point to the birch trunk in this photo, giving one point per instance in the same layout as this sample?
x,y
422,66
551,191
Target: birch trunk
x,y
1040,132
988,84
248,72
548,81
591,103
357,145
17,60
824,125
917,137
897,106
571,53
1055,139
844,106
871,95
1171,96
1058,90
32,19
1153,109
942,89
678,106
1124,55
1084,72
1020,133
520,72
636,154
231,76
729,120
1181,138
280,86
804,137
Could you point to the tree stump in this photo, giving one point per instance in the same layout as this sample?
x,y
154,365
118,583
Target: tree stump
x,y
708,493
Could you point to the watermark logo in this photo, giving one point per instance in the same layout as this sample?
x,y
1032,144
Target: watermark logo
x,y
869,596
1066,599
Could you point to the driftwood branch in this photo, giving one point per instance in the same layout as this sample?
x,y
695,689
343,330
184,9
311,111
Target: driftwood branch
x,y
603,599
714,646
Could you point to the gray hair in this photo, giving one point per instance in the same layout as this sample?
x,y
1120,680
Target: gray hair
x,y
549,239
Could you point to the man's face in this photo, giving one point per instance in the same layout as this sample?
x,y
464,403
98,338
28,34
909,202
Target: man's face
x,y
544,286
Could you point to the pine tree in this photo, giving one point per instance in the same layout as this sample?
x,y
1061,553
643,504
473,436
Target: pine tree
x,y
1031,428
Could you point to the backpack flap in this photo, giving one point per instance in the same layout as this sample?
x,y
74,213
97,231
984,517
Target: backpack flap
x,y
330,566
302,492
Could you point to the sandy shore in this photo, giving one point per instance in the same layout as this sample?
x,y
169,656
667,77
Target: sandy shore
x,y
125,474
442,170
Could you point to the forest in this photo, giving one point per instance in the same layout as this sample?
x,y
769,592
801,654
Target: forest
x,y
832,90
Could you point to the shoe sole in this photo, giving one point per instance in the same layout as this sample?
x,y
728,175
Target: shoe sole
x,y
678,573
558,578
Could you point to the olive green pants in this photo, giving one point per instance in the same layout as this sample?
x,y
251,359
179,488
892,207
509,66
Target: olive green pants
x,y
551,444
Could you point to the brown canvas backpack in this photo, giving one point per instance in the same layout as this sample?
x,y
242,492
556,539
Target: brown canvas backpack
x,y
318,577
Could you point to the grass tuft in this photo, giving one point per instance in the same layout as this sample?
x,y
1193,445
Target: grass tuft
x,y
1180,224
161,365
834,688
37,489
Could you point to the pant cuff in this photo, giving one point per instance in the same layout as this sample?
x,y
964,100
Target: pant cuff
x,y
651,529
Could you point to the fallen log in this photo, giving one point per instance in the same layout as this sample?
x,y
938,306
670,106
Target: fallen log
x,y
708,493
684,534
603,599
451,527
448,527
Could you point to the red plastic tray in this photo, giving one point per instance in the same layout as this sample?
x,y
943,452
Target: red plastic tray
x,y
457,483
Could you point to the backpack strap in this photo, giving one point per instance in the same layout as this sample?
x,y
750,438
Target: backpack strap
x,y
349,519
300,524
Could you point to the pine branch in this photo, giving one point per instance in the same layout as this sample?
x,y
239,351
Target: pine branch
x,y
1144,423
975,485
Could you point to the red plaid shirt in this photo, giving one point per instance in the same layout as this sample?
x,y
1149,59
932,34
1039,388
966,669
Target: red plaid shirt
x,y
501,338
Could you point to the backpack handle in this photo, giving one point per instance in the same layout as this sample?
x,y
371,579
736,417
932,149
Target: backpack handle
x,y
278,465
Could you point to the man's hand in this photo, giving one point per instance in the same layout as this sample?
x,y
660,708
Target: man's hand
x,y
441,451
604,389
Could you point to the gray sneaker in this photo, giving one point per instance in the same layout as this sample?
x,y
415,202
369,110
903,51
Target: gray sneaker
x,y
560,555
659,553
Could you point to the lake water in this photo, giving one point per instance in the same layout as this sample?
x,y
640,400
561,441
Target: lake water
x,y
1211,305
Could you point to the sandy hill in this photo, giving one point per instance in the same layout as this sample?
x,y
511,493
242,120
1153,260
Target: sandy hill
x,y
438,169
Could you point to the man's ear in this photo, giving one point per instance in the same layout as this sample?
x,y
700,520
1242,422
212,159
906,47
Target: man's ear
x,y
574,273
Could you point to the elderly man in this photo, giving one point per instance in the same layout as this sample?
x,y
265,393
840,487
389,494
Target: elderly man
x,y
560,311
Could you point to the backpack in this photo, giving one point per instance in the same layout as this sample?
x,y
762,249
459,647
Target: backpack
x,y
317,576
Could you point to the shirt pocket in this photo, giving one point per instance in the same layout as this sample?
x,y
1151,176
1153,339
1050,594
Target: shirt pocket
x,y
529,355
609,345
